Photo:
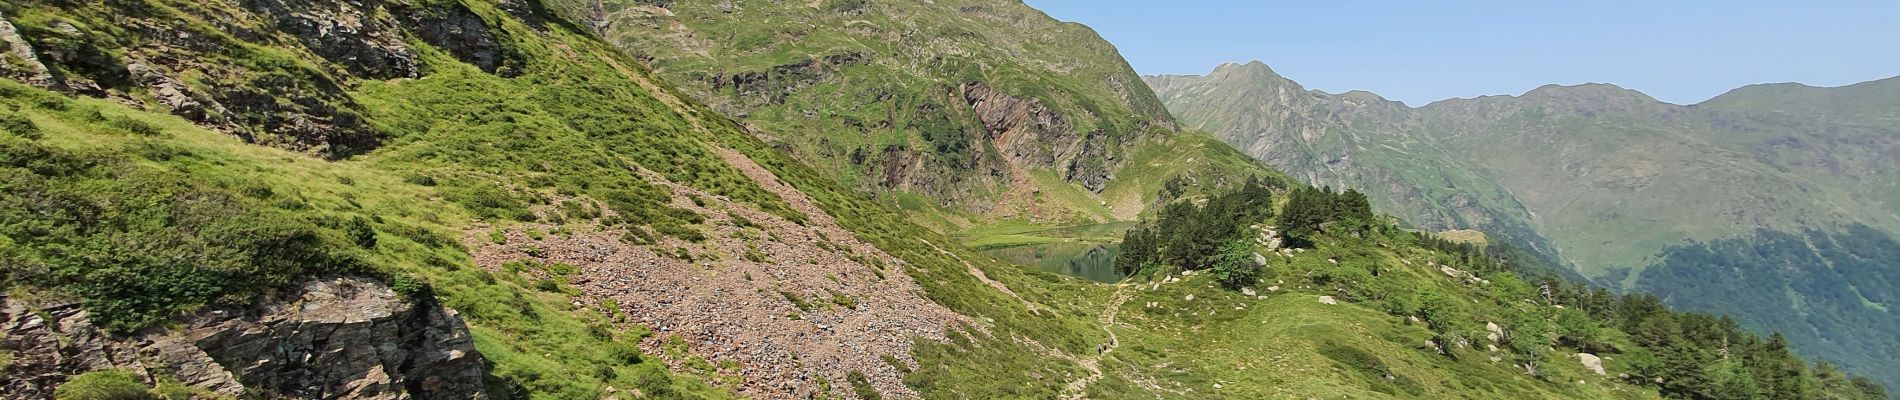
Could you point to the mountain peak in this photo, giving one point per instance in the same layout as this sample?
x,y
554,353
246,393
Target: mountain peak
x,y
1590,91
1251,68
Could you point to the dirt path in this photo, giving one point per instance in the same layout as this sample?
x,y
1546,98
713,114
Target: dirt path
x,y
1077,389
985,278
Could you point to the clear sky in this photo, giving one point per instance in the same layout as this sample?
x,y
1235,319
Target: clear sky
x,y
1421,51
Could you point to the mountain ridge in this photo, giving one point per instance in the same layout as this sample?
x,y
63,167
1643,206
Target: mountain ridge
x,y
1596,176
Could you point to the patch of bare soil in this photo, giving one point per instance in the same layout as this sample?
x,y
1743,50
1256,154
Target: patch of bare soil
x,y
786,308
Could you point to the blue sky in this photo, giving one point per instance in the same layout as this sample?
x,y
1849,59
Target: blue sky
x,y
1422,51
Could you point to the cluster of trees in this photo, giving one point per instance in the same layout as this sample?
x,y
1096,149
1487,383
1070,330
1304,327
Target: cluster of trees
x,y
1684,355
1195,235
1828,289
1310,212
1704,356
1498,256
1213,234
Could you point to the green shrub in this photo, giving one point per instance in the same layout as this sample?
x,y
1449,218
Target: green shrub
x,y
360,232
18,125
1234,266
422,180
159,151
561,269
412,288
549,285
862,386
1382,377
134,126
578,209
138,246
104,385
489,201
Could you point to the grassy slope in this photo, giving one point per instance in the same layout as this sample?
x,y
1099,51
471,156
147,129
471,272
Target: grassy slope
x,y
492,145
1632,177
1198,341
535,339
547,349
907,57
467,148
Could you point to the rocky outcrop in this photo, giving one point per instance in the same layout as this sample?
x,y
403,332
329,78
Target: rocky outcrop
x,y
1592,362
331,338
1031,135
351,34
203,62
17,59
463,34
771,86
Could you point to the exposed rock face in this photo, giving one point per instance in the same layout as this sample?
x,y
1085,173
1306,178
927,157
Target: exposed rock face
x,y
462,33
19,61
350,34
771,86
913,78
1032,135
332,338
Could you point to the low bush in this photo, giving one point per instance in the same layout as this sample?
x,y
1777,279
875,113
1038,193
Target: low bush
x,y
104,385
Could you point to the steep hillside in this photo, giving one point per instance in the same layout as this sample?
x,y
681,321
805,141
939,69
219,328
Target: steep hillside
x,y
1351,140
482,199
584,220
1609,180
982,106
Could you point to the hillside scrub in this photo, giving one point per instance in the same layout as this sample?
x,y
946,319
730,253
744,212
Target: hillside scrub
x,y
138,244
1535,320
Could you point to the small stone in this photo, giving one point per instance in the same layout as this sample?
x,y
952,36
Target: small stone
x,y
1327,300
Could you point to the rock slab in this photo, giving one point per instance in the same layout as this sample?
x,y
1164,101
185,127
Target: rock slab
x,y
330,338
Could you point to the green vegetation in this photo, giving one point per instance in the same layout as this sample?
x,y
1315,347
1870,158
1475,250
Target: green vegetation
x,y
877,94
1310,212
1458,292
1191,236
104,385
566,131
1840,312
138,244
1234,266
258,221
1613,181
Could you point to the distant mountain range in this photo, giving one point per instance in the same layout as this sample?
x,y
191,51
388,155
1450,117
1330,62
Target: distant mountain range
x,y
1617,185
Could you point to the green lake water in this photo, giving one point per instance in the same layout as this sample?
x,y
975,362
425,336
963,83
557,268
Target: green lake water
x,y
1094,261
